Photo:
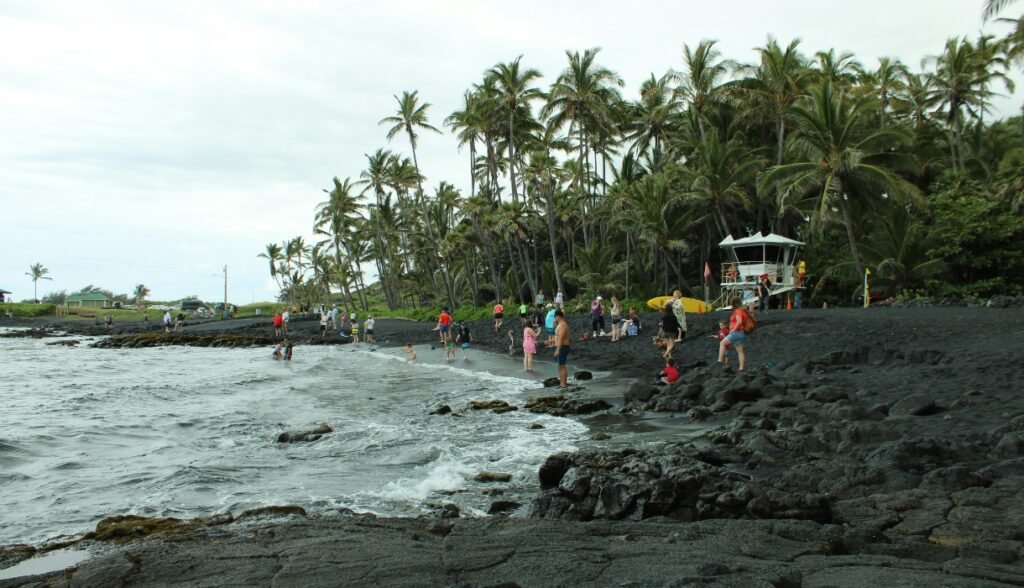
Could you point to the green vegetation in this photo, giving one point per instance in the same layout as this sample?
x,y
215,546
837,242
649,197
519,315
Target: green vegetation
x,y
574,186
27,309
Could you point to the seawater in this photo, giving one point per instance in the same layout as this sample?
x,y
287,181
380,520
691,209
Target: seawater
x,y
179,431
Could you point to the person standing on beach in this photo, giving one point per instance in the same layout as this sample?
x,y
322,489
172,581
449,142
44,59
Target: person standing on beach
x,y
499,315
562,339
669,329
559,300
679,309
276,321
167,321
284,322
368,327
334,317
539,301
737,334
597,316
444,322
764,288
616,318
344,322
324,320
464,338
529,347
355,332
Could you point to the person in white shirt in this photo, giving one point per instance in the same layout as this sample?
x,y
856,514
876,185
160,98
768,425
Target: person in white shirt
x,y
368,328
284,322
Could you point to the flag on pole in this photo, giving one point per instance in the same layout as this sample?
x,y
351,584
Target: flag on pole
x,y
707,271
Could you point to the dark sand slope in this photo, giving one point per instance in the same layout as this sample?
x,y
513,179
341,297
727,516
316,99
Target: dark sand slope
x,y
861,448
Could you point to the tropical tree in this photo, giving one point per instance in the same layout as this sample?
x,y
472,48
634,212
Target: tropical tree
x,y
960,82
582,98
701,80
778,80
844,158
720,176
37,272
411,116
140,293
515,93
274,257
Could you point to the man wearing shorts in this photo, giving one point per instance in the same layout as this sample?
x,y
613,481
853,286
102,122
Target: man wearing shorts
x,y
737,335
562,348
444,322
368,329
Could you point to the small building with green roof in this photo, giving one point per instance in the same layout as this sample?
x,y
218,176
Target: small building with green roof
x,y
89,300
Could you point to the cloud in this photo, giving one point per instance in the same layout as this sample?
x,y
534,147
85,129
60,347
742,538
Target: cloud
x,y
155,142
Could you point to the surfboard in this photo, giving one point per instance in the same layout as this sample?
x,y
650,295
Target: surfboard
x,y
691,305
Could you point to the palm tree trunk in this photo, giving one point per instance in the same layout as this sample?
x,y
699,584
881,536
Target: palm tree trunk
x,y
780,133
551,237
415,162
512,158
843,206
472,167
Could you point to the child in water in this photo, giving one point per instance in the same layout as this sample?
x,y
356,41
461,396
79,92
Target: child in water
x,y
449,347
409,350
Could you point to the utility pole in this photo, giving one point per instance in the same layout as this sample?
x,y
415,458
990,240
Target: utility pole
x,y
225,315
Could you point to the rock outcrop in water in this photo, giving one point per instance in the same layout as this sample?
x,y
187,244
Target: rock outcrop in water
x,y
141,340
301,435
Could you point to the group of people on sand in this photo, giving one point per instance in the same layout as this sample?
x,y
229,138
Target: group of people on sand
x,y
732,334
449,334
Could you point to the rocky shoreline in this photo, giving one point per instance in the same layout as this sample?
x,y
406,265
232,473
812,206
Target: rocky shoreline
x,y
864,446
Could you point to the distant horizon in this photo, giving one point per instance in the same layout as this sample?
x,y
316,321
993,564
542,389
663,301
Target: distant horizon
x,y
154,144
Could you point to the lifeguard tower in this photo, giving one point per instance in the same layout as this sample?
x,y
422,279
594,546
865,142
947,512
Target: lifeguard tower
x,y
747,259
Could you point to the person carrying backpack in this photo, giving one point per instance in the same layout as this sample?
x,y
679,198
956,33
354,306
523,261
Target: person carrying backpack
x,y
740,325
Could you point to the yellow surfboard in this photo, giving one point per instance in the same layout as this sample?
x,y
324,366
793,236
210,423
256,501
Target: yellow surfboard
x,y
691,305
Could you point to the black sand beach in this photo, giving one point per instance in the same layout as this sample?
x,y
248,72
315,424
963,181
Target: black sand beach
x,y
861,447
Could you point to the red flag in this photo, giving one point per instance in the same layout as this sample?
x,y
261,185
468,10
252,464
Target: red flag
x,y
707,271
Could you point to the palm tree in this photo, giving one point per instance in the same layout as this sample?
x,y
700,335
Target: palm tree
x,y
515,93
704,73
653,119
719,176
779,80
37,272
411,115
466,124
994,7
336,219
960,82
840,70
899,249
889,81
141,291
274,257
582,97
844,159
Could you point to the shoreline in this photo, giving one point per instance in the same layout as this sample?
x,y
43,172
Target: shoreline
x,y
872,446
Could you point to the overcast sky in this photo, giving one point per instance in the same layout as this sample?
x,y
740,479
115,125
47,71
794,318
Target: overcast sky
x,y
155,142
